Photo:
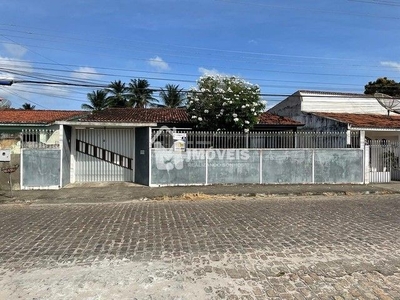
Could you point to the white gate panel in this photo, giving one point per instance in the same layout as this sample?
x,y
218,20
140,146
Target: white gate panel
x,y
384,160
104,155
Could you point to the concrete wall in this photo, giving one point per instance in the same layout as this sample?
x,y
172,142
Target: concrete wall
x,y
177,168
41,168
12,144
292,166
290,107
287,166
338,166
15,176
142,155
315,123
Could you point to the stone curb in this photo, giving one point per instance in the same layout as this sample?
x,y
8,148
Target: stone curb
x,y
194,197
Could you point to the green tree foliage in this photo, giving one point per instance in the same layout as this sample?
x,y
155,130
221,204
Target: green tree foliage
x,y
383,85
140,94
117,92
224,103
172,96
28,106
98,101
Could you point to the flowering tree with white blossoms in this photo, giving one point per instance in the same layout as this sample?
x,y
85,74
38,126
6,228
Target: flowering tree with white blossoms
x,y
224,103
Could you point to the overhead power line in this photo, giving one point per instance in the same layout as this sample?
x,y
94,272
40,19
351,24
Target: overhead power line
x,y
183,90
323,11
165,46
377,2
118,75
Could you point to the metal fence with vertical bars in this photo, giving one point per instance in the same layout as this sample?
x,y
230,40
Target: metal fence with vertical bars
x,y
257,139
384,164
40,138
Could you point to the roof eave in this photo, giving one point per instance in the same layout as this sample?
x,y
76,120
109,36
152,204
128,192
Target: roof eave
x,y
374,129
26,124
106,124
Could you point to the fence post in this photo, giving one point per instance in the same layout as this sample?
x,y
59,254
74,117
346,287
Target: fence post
x,y
366,163
206,158
261,166
61,147
348,138
313,167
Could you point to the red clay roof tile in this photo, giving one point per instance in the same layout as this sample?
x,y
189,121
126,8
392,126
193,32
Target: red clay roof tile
x,y
139,115
364,120
267,118
166,115
21,116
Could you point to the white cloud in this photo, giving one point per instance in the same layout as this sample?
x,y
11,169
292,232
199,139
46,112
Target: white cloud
x,y
19,93
55,91
391,64
13,68
158,63
15,50
252,42
211,72
86,73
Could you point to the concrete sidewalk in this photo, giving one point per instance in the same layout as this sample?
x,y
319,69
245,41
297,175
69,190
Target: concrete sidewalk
x,y
122,192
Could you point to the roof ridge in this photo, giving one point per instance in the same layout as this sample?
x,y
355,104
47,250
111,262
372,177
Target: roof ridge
x,y
333,93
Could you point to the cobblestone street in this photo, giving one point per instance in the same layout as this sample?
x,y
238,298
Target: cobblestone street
x,y
319,247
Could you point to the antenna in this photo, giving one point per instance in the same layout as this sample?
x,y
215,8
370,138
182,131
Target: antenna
x,y
390,103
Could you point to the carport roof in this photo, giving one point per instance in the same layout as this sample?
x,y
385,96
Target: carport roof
x,y
364,120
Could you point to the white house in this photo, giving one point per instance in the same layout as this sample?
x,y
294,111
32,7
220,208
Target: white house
x,y
353,113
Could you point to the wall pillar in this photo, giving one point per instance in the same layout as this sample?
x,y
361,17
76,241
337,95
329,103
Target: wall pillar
x,y
367,172
362,139
73,155
61,145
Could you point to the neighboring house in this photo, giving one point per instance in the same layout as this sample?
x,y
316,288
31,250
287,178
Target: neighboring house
x,y
23,129
351,113
331,111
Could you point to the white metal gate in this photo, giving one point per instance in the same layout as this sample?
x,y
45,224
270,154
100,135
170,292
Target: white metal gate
x,y
104,155
384,160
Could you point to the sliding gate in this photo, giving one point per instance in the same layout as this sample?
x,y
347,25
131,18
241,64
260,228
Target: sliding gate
x,y
104,155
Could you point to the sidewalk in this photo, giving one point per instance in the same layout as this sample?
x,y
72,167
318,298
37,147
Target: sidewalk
x,y
122,192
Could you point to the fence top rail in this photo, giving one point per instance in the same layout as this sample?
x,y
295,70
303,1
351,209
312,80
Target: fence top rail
x,y
257,139
157,130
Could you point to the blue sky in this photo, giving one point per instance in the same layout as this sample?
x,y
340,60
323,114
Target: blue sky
x,y
283,46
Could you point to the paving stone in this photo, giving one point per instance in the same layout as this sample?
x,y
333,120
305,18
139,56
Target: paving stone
x,y
300,248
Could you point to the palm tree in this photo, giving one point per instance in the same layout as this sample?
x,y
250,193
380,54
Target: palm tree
x,y
140,95
28,106
172,96
118,96
98,100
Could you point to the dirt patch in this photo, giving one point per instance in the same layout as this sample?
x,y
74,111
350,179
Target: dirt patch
x,y
197,197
